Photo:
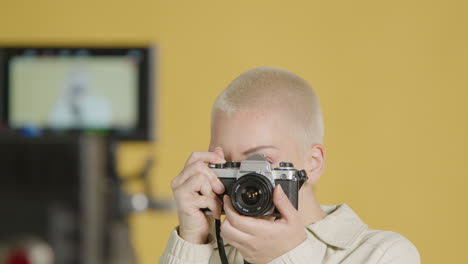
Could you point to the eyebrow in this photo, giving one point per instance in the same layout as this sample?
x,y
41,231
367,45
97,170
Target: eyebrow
x,y
251,150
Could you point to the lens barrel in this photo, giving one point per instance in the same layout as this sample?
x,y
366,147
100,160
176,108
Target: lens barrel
x,y
252,195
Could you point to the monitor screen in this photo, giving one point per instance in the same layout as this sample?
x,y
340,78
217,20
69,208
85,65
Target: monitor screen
x,y
78,89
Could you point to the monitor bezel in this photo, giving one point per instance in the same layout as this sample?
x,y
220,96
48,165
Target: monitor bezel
x,y
144,129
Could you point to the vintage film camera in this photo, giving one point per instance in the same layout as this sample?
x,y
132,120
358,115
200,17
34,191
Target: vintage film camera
x,y
250,184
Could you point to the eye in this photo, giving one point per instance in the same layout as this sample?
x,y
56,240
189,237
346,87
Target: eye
x,y
269,159
268,156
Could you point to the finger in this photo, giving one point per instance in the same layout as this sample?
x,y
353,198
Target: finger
x,y
268,218
189,171
199,168
204,156
212,203
246,224
282,203
234,236
219,151
199,183
198,188
206,190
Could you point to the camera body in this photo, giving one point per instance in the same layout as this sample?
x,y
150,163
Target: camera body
x,y
250,184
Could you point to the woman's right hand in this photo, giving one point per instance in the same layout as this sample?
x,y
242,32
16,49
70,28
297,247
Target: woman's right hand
x,y
196,187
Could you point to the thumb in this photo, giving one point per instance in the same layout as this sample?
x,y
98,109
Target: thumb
x,y
219,151
282,203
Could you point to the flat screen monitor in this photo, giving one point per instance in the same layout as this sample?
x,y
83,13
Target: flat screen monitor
x,y
78,89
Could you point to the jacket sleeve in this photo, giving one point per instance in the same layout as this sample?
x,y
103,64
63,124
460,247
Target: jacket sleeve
x,y
180,251
401,252
311,251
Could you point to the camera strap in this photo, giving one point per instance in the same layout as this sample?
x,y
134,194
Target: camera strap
x,y
220,242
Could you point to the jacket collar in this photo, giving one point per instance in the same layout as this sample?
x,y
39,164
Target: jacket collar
x,y
340,228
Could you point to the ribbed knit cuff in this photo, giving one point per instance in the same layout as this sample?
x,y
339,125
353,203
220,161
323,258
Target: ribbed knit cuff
x,y
181,251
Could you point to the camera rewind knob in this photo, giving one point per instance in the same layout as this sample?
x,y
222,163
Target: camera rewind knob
x,y
216,166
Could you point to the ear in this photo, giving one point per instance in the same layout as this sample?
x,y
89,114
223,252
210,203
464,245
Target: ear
x,y
314,162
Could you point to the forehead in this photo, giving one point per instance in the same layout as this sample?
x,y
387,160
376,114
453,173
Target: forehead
x,y
237,132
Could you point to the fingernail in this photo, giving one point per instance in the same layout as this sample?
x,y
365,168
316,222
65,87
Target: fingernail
x,y
218,147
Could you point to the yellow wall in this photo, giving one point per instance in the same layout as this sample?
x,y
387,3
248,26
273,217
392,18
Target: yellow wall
x,y
391,75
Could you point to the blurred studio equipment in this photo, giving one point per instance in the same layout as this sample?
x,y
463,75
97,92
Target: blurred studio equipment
x,y
63,113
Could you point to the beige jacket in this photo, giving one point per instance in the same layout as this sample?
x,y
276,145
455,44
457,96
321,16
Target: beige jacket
x,y
341,237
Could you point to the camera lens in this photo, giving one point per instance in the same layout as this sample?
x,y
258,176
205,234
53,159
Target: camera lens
x,y
252,195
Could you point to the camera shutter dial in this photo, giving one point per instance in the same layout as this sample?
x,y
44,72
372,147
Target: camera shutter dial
x,y
286,164
232,165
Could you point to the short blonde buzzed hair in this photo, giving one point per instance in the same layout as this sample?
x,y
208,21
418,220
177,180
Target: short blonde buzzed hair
x,y
267,89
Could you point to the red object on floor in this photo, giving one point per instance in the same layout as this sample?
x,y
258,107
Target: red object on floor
x,y
17,256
